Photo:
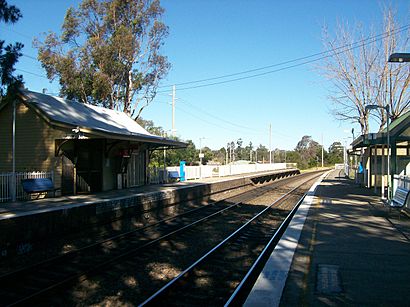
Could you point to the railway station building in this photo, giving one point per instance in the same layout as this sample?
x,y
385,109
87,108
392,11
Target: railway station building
x,y
87,148
373,150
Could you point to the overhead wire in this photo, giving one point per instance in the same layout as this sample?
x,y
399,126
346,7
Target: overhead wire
x,y
228,122
211,115
326,54
211,123
17,32
248,131
31,73
24,54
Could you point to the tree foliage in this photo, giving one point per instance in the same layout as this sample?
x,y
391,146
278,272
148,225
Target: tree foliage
x,y
108,53
336,152
172,156
309,152
9,54
360,72
262,154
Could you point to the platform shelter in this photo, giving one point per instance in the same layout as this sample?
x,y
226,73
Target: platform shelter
x,y
86,148
373,151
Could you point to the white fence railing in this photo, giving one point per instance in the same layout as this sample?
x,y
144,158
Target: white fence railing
x,y
8,181
157,175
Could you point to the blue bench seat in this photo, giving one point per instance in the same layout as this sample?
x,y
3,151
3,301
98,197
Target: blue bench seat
x,y
38,185
173,175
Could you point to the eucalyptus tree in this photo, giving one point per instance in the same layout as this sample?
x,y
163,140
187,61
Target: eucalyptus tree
x,y
9,54
309,151
108,53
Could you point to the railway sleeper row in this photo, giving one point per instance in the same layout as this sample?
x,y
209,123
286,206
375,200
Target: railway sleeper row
x,y
225,265
44,276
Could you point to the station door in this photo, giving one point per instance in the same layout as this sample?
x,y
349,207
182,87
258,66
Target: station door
x,y
136,170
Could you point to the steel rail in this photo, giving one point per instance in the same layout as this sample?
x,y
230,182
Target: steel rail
x,y
81,275
89,246
213,250
238,296
241,292
127,233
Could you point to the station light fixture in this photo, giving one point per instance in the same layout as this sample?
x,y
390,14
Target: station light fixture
x,y
399,57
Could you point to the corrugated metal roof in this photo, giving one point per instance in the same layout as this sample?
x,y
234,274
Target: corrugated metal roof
x,y
397,129
397,121
94,118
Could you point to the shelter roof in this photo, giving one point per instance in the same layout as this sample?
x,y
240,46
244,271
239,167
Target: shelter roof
x,y
399,130
92,119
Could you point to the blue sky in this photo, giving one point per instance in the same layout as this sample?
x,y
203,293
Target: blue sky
x,y
213,38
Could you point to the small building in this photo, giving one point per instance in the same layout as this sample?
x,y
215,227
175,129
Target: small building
x,y
373,149
87,148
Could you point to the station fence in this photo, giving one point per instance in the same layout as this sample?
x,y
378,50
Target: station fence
x,y
10,180
157,175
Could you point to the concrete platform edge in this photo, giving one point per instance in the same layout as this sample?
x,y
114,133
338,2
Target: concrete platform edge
x,y
23,226
269,286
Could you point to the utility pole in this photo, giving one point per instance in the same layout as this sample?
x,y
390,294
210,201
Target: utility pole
x,y
355,156
173,111
14,181
165,161
322,150
270,143
229,153
200,150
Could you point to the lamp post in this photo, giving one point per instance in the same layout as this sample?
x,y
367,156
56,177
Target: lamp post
x,y
387,108
355,157
201,155
346,165
344,154
399,57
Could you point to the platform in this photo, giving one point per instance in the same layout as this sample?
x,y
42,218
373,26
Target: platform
x,y
28,222
351,251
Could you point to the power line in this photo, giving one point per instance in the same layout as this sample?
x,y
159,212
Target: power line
x,y
248,131
327,54
213,115
197,117
29,56
229,122
17,32
31,73
351,47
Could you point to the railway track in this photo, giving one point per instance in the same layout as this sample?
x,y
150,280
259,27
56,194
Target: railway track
x,y
214,276
35,282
